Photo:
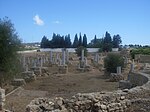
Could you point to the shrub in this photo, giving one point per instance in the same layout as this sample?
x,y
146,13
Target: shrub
x,y
112,61
79,51
144,51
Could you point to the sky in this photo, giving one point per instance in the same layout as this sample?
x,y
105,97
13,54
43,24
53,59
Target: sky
x,y
33,19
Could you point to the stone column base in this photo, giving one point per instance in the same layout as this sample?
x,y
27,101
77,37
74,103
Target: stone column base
x,y
63,69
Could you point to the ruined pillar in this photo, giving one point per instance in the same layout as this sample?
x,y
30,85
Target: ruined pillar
x,y
44,59
2,99
51,57
41,62
67,56
63,68
96,58
26,68
63,57
82,55
132,67
34,62
24,62
119,70
86,63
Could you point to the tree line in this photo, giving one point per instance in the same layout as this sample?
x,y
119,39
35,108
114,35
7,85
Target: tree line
x,y
105,43
59,41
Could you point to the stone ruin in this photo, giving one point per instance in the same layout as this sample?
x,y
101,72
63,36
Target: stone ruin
x,y
2,99
97,60
83,64
116,101
117,76
87,102
63,68
94,102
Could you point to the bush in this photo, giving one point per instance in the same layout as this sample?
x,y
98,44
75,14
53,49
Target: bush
x,y
112,61
144,51
9,45
79,51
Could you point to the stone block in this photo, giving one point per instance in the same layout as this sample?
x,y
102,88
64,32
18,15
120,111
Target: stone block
x,y
2,99
29,76
116,77
44,70
63,69
82,64
36,70
18,82
123,84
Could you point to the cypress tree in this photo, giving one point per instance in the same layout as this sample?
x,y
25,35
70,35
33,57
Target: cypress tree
x,y
80,40
76,41
84,40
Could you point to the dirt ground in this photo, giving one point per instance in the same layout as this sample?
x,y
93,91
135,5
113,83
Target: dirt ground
x,y
64,85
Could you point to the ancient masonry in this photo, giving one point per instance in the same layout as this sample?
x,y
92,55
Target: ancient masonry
x,y
63,68
116,101
2,99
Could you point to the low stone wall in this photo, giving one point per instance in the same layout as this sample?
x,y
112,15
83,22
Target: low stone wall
x,y
116,101
145,80
138,79
88,102
142,58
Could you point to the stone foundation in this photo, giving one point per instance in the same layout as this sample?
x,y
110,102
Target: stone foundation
x,y
18,82
134,79
116,101
116,77
85,69
82,64
88,102
63,69
29,76
123,84
36,70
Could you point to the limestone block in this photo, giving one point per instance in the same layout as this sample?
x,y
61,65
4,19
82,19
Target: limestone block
x,y
116,77
29,76
18,82
2,98
63,69
36,70
124,84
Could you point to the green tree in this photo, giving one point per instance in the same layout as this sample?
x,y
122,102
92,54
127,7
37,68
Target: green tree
x,y
54,40
144,51
96,43
112,61
44,42
58,41
76,41
84,40
9,45
62,42
95,40
116,41
107,42
67,41
80,40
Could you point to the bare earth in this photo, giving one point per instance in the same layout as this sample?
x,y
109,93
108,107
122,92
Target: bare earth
x,y
64,85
